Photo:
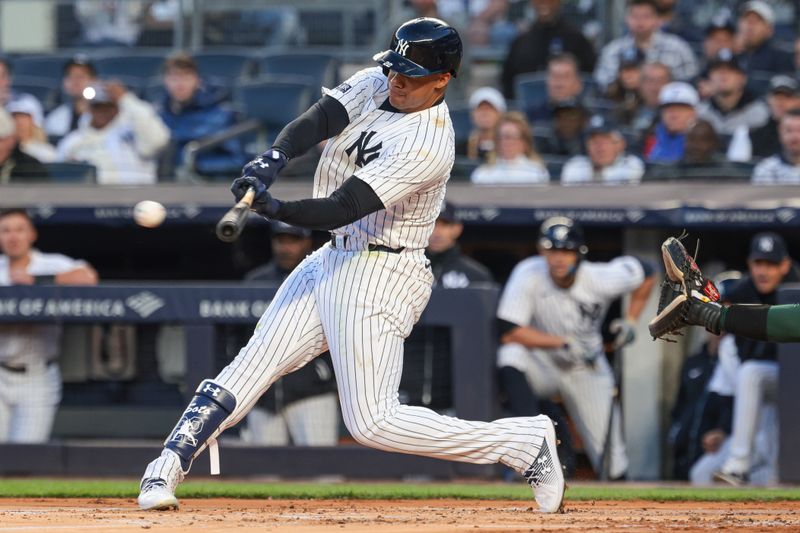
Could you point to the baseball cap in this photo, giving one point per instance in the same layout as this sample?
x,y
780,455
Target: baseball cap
x,y
631,57
678,93
282,228
97,94
599,124
721,21
784,84
81,60
725,58
760,8
768,246
567,105
27,106
489,95
7,127
448,212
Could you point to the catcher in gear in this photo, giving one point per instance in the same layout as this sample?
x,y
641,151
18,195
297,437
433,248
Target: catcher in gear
x,y
690,299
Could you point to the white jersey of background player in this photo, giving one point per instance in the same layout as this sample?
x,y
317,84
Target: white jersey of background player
x,y
551,312
378,187
30,381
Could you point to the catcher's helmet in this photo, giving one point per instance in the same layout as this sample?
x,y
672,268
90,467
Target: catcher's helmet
x,y
421,47
562,233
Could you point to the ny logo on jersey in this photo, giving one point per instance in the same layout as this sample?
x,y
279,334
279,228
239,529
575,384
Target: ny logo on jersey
x,y
364,153
591,311
402,47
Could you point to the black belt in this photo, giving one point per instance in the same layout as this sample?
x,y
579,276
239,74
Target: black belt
x,y
370,247
21,369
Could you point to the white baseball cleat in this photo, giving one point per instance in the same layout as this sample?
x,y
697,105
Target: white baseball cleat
x,y
162,476
546,475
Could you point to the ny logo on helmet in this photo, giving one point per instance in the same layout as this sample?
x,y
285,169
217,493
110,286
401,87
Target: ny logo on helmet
x,y
402,47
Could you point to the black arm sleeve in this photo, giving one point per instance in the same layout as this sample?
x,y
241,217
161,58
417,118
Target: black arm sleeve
x,y
323,120
353,200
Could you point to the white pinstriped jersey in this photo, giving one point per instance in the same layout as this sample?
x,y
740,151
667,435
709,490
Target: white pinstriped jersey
x,y
26,343
530,297
405,157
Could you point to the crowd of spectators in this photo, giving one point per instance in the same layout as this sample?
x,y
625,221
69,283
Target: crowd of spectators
x,y
652,86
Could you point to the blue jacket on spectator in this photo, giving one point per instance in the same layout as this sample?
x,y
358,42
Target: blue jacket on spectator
x,y
767,58
204,115
668,146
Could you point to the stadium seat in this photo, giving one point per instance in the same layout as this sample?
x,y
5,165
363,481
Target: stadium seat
x,y
44,89
530,89
275,101
225,65
143,66
462,123
323,69
71,172
48,67
554,164
463,168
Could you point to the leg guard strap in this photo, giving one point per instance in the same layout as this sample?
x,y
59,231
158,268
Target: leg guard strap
x,y
200,424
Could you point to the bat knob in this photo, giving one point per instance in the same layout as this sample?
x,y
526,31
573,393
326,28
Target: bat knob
x,y
227,231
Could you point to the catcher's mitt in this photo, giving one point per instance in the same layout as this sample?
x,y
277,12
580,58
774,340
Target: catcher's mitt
x,y
687,297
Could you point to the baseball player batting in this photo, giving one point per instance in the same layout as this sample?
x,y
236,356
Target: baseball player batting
x,y
378,189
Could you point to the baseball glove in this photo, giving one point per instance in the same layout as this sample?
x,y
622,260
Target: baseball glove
x,y
687,297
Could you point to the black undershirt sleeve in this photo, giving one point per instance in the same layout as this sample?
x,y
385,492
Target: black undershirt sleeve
x,y
323,120
355,199
747,320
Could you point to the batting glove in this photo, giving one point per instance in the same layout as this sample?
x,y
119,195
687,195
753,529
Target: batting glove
x,y
265,167
263,202
624,331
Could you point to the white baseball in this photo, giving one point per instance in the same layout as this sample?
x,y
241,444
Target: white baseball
x,y
149,214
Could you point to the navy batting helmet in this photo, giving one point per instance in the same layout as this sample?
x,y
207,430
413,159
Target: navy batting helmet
x,y
421,47
562,233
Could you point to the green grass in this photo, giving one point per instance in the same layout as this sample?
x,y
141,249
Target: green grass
x,y
61,488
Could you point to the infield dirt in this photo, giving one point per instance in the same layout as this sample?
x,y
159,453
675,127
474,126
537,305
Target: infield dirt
x,y
429,516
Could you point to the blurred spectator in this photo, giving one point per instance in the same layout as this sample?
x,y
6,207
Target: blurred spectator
x,y
487,106
677,102
28,126
302,407
563,84
643,24
784,95
625,91
550,35
569,121
731,103
79,73
758,51
769,265
14,163
784,166
702,145
30,380
7,92
193,111
109,22
516,159
606,161
720,35
671,21
451,268
654,77
122,139
488,23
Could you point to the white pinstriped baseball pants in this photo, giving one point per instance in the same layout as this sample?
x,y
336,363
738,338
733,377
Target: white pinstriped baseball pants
x,y
361,306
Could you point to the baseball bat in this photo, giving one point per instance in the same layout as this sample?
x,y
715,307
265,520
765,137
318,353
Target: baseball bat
x,y
231,224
